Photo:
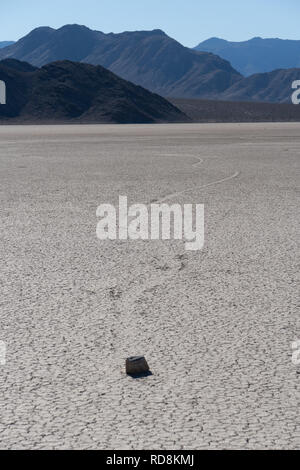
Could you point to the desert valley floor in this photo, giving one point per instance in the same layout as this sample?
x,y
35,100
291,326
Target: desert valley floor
x,y
216,326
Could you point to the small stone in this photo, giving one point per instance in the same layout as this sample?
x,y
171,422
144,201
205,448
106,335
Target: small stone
x,y
137,365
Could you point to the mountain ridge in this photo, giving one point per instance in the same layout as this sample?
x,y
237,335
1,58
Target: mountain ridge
x,y
256,55
270,87
150,59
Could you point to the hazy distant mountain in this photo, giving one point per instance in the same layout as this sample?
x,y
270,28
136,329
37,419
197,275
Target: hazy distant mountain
x,y
271,87
256,55
63,91
148,58
5,43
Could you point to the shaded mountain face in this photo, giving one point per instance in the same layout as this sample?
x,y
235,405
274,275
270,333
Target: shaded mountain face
x,y
256,55
272,87
147,58
6,43
69,91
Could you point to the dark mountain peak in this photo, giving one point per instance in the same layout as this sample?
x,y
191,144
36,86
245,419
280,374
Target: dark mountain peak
x,y
76,29
41,29
147,32
159,32
41,33
66,90
72,31
17,65
143,34
66,67
73,27
70,42
24,47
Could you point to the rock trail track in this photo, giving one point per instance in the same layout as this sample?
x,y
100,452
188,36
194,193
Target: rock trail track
x,y
216,326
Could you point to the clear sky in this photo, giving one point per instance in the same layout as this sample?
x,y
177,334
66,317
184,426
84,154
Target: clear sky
x,y
188,21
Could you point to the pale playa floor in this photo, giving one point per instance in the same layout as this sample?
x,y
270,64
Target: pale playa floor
x,y
215,326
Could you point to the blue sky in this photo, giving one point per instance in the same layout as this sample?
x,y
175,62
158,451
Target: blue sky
x,y
188,21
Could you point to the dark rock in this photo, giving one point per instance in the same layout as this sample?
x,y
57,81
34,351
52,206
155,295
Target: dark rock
x,y
137,366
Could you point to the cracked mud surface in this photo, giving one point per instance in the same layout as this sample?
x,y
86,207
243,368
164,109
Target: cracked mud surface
x,y
215,326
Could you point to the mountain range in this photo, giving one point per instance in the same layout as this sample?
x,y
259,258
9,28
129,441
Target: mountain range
x,y
271,87
150,59
155,61
256,55
68,91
